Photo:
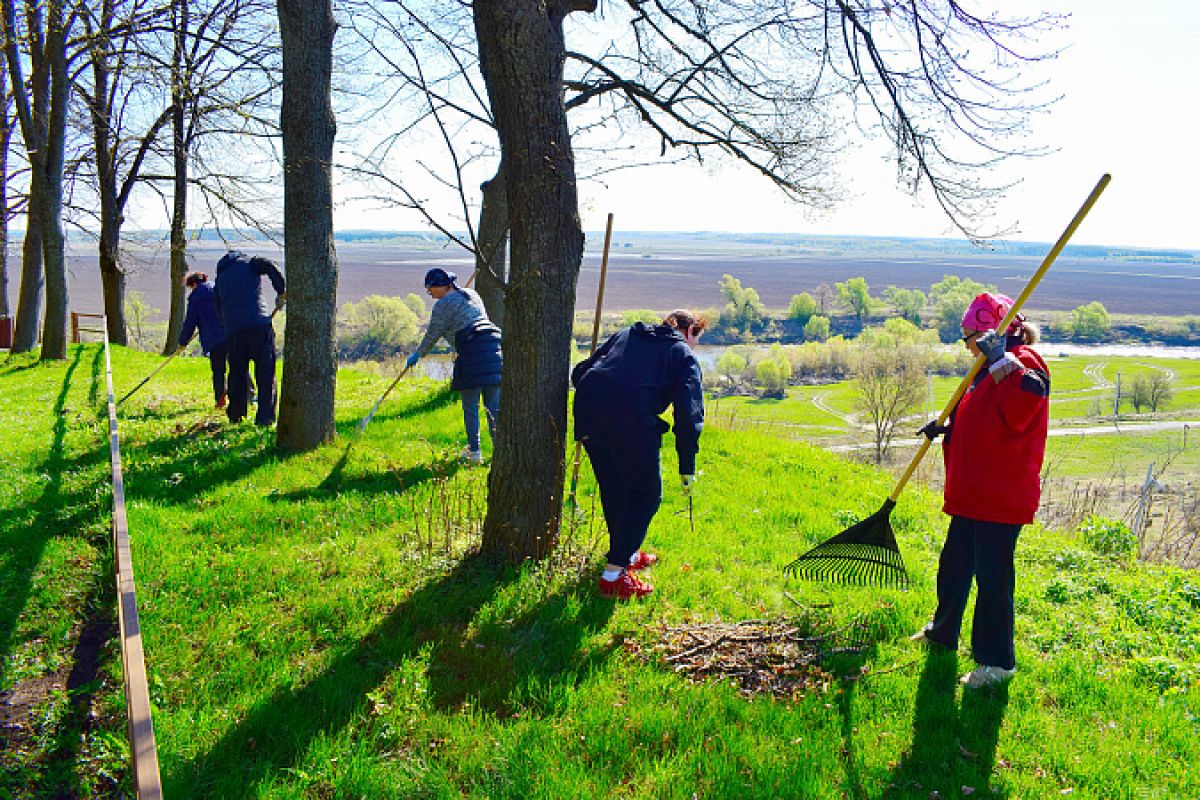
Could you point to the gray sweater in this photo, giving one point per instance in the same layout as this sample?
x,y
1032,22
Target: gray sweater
x,y
455,311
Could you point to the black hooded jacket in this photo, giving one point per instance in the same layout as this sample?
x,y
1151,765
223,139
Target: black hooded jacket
x,y
624,387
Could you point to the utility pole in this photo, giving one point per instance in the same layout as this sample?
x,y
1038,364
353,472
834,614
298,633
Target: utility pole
x,y
1117,397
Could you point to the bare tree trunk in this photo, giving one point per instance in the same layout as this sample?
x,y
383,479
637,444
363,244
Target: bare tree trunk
x,y
5,140
179,156
521,55
491,257
33,279
112,277
310,357
54,328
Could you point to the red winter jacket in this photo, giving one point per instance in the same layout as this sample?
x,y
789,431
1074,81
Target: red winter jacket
x,y
996,442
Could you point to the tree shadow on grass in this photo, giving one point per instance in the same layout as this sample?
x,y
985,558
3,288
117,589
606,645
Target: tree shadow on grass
x,y
379,482
951,748
527,664
73,503
275,735
849,665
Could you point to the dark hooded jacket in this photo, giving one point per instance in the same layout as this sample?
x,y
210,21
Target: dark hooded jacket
x,y
480,360
239,297
202,314
622,389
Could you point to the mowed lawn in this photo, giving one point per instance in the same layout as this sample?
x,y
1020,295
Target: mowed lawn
x,y
318,626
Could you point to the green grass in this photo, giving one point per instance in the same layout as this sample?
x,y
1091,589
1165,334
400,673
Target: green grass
x,y
316,626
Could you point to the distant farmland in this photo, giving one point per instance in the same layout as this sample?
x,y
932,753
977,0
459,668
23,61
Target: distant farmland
x,y
678,273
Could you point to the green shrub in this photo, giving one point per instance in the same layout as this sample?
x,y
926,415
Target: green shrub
x,y
802,308
1090,321
816,329
1108,537
377,327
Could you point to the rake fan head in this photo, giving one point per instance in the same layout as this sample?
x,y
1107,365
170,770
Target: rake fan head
x,y
865,553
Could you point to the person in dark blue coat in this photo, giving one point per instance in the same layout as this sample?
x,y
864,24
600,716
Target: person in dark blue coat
x,y
202,314
239,301
620,392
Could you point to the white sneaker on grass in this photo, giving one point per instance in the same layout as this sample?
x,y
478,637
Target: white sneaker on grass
x,y
984,675
471,456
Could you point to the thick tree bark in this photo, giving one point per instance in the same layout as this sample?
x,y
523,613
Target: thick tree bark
x,y
309,356
54,328
33,279
521,55
5,139
179,159
112,277
491,257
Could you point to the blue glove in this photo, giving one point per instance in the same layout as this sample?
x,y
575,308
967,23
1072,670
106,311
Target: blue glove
x,y
412,360
992,346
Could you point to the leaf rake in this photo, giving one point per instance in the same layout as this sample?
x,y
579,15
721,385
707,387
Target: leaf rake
x,y
867,553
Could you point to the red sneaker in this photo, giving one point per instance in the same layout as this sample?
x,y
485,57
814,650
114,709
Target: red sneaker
x,y
642,560
221,401
624,587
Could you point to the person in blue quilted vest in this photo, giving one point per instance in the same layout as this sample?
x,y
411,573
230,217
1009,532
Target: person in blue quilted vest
x,y
460,318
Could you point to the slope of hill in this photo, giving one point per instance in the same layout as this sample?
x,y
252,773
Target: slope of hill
x,y
317,626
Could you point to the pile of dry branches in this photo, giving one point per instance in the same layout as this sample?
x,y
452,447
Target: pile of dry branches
x,y
776,657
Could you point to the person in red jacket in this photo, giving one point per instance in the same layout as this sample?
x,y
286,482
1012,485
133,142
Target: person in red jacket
x,y
994,444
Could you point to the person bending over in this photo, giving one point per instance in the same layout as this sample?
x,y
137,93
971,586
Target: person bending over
x,y
459,317
620,391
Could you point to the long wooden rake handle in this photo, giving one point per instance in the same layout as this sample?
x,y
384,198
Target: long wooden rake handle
x,y
595,339
1008,318
362,426
156,370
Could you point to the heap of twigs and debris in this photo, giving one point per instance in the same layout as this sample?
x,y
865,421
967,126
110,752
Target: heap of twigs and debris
x,y
781,657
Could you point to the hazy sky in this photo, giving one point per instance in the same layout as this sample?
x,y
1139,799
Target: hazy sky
x,y
1130,80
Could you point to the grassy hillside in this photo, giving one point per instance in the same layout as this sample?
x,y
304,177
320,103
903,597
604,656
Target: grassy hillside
x,y
318,627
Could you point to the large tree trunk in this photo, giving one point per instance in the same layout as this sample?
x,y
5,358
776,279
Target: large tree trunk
x,y
54,329
112,278
33,280
5,140
180,21
309,356
521,55
491,257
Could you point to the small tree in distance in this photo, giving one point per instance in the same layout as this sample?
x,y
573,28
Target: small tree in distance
x,y
1090,321
909,303
743,312
816,329
855,295
802,308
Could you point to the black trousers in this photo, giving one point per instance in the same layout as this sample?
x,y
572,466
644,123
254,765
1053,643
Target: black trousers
x,y
255,345
217,358
983,552
630,491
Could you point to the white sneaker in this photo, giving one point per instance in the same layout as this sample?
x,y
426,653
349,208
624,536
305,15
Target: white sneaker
x,y
471,456
986,676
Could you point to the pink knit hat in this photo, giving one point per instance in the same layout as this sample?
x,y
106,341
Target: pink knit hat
x,y
987,311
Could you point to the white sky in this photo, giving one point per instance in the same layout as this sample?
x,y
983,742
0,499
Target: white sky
x,y
1130,82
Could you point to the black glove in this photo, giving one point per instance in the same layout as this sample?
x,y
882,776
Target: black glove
x,y
992,345
931,430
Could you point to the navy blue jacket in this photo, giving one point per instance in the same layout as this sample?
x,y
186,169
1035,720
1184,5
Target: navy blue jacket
x,y
202,313
624,386
239,298
480,360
